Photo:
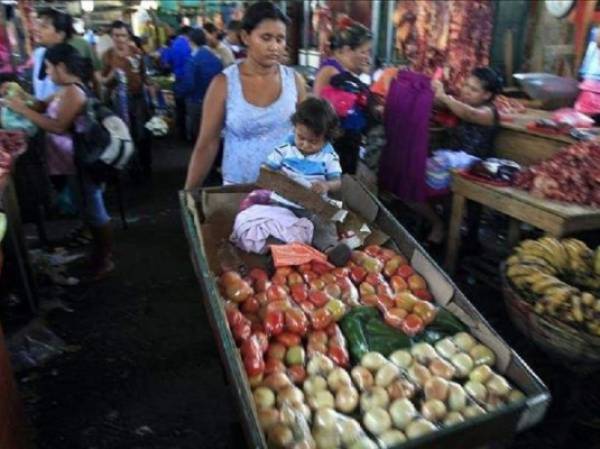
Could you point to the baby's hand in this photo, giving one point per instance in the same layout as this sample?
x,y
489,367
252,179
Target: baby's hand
x,y
320,187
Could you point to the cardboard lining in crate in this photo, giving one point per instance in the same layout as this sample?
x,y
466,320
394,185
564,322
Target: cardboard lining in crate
x,y
208,218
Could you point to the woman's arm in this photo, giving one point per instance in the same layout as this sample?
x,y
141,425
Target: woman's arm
x,y
480,116
300,86
67,111
322,79
207,145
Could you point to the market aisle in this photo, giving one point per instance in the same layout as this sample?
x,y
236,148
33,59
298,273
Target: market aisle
x,y
145,372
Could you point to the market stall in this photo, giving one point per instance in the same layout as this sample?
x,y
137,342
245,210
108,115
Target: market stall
x,y
361,366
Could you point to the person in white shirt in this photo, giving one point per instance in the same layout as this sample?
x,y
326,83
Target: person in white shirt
x,y
221,50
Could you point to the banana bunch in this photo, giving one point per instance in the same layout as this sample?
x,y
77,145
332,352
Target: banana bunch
x,y
561,278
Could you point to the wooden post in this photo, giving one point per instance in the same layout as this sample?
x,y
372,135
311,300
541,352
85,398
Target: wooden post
x,y
458,208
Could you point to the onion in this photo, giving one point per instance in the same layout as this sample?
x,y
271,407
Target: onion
x,y
386,374
482,355
433,410
373,361
423,352
314,384
277,381
476,390
338,378
327,438
268,417
493,402
364,442
377,420
264,398
464,341
326,418
481,374
391,438
401,358
400,389
280,435
463,364
362,377
441,368
321,399
290,395
350,430
436,388
346,399
418,428
515,396
402,412
319,364
453,418
419,374
472,411
376,397
457,397
446,347
498,385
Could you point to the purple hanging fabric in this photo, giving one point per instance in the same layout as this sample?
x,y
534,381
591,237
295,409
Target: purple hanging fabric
x,y
406,119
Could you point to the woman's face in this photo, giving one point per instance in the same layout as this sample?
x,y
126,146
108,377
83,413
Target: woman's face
x,y
45,34
53,72
359,59
473,92
266,42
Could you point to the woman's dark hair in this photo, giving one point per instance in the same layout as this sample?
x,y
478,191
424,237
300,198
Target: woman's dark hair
x,y
210,27
234,25
118,25
318,116
61,21
198,37
354,36
73,61
185,30
490,80
257,12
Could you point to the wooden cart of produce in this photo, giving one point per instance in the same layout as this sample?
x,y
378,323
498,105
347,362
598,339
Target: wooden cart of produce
x,y
208,219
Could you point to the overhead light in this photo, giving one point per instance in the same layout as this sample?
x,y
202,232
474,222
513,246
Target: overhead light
x,y
149,4
87,5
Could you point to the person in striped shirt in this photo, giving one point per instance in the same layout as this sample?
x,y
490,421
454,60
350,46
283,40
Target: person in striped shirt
x,y
308,156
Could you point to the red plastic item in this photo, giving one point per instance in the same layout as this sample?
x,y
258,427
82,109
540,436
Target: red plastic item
x,y
294,254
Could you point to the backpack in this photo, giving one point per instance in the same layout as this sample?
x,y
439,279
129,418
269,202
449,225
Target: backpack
x,y
105,144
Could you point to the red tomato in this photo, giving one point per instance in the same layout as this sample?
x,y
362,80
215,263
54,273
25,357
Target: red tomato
x,y
386,254
274,366
341,272
279,279
251,305
321,318
274,322
384,290
305,268
254,366
370,300
405,271
423,294
276,351
283,271
318,337
318,298
339,355
241,331
262,285
294,278
299,292
296,321
276,293
258,274
297,374
398,284
412,325
288,339
425,310
374,279
373,250
307,306
328,278
234,316
309,276
358,274
395,317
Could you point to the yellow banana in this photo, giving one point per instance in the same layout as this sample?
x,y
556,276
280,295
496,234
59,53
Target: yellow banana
x,y
556,249
529,259
535,248
559,293
544,284
522,269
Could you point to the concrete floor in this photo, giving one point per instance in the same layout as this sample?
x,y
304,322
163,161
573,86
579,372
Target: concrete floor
x,y
143,371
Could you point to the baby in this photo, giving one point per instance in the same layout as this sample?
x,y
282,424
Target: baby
x,y
310,159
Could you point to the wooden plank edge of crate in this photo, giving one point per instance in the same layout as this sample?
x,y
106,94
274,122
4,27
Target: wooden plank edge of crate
x,y
514,416
218,321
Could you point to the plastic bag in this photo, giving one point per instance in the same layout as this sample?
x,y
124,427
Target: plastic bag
x,y
572,118
11,120
294,254
343,102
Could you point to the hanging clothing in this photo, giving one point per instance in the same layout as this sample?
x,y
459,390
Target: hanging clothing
x,y
251,132
406,118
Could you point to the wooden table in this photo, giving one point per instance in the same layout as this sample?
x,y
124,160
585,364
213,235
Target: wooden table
x,y
557,219
516,142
